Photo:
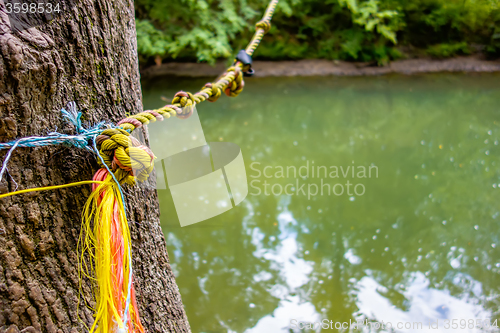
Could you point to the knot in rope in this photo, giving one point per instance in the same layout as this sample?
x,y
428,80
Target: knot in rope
x,y
187,101
124,155
215,91
264,24
235,86
183,98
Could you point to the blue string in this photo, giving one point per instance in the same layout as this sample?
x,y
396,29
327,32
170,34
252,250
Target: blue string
x,y
55,138
81,140
73,116
7,157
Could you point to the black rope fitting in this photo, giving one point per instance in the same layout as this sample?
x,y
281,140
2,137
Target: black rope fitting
x,y
246,60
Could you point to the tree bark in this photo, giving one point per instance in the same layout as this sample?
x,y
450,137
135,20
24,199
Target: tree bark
x,y
88,54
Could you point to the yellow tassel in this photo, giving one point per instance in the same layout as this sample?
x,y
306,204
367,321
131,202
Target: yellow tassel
x,y
104,247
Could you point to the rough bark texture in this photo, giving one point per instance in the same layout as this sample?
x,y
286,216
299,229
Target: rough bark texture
x,y
87,55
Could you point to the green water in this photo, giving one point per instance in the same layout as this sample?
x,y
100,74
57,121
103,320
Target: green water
x,y
420,244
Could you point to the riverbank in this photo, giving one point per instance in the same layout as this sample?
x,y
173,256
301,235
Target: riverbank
x,y
319,67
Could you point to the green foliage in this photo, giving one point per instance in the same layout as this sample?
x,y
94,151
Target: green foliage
x,y
360,30
150,41
191,29
446,50
368,15
493,48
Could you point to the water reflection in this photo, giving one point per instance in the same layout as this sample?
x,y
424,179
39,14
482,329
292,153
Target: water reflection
x,y
426,309
292,270
419,246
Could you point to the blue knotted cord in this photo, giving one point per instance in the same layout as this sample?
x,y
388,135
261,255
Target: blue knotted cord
x,y
80,140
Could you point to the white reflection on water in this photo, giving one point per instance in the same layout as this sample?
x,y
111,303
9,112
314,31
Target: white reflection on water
x,y
351,257
425,305
290,308
294,272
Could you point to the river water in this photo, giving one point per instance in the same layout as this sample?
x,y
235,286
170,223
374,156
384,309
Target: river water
x,y
373,199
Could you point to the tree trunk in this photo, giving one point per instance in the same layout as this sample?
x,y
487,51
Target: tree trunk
x,y
87,54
